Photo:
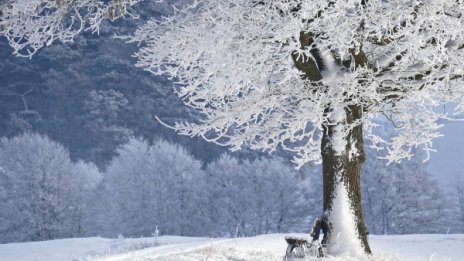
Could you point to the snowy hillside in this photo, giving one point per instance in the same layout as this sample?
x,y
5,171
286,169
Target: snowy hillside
x,y
265,247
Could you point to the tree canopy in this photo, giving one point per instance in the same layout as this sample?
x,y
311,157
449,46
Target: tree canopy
x,y
250,68
246,65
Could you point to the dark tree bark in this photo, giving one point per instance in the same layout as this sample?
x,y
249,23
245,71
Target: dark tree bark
x,y
347,168
346,165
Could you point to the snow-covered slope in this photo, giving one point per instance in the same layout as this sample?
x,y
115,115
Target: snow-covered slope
x,y
85,248
260,248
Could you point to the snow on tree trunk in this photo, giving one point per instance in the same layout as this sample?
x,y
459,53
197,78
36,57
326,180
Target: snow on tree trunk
x,y
342,158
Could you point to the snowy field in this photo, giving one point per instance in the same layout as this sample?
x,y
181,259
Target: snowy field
x,y
260,248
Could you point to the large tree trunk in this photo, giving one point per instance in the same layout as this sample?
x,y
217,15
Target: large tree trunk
x,y
342,158
341,166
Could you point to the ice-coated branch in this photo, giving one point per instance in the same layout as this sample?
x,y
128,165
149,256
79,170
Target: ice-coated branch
x,y
30,25
269,73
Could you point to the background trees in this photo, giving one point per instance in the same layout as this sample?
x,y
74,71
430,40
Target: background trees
x,y
153,185
43,194
254,197
460,196
161,184
403,198
456,197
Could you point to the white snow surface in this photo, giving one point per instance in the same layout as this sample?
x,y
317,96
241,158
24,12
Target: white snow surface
x,y
260,248
343,226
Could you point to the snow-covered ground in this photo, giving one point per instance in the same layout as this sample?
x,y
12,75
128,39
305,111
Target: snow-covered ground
x,y
260,248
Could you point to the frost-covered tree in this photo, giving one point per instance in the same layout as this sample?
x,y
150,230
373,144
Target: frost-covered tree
x,y
88,179
247,198
152,185
457,203
403,198
303,75
307,76
277,196
460,195
226,201
42,193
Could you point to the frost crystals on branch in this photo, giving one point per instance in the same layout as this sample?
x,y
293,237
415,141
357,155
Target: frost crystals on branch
x,y
32,24
232,62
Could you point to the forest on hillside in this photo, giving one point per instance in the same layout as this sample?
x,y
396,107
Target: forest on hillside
x,y
89,95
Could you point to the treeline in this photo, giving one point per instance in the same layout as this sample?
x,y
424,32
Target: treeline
x,y
148,184
44,195
161,184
